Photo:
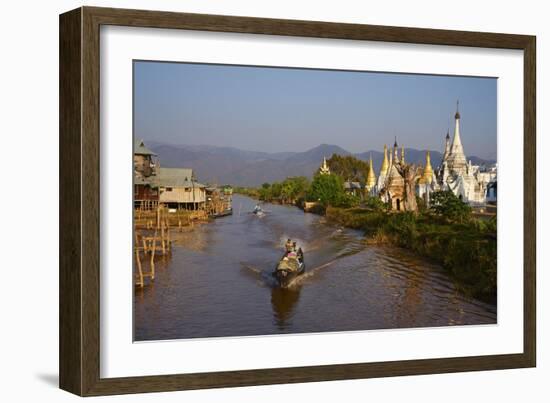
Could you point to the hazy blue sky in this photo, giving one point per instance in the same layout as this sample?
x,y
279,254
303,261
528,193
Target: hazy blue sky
x,y
279,109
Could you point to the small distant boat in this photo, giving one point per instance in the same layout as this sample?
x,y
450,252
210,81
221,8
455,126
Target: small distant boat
x,y
289,267
224,213
258,211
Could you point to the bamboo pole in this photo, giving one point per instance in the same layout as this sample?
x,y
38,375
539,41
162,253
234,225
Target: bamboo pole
x,y
140,271
162,237
169,240
153,261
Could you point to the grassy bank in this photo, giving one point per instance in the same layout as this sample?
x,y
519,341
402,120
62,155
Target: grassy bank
x,y
468,250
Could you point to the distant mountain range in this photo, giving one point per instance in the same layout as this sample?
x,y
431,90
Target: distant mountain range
x,y
238,167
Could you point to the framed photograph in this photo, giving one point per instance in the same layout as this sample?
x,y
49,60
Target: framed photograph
x,y
248,201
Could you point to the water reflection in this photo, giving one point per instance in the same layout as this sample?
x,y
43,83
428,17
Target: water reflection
x,y
283,301
192,237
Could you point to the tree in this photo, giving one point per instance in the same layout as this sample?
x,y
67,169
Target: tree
x,y
300,185
276,189
447,205
327,189
288,191
293,188
349,167
265,192
410,174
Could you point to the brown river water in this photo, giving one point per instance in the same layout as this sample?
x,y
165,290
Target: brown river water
x,y
217,282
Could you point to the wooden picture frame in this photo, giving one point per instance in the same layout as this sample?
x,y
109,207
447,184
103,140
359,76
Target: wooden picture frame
x,y
79,280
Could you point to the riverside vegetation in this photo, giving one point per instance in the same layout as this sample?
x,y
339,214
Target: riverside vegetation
x,y
446,232
467,248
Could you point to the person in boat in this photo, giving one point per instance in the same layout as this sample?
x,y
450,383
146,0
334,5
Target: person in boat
x,y
300,254
294,246
288,245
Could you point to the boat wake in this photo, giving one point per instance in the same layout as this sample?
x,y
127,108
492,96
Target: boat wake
x,y
264,277
262,273
309,273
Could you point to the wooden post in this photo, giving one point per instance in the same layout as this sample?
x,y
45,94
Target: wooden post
x,y
153,261
162,240
140,272
168,239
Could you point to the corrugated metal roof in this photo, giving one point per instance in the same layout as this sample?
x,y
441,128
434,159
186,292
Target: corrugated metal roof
x,y
169,177
140,149
176,177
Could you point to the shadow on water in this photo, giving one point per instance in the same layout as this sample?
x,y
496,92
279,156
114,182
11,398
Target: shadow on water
x,y
284,301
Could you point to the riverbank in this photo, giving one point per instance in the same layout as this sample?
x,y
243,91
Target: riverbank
x,y
467,251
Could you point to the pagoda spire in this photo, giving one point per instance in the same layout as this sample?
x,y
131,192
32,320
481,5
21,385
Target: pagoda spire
x,y
385,163
457,148
457,159
447,146
427,175
371,176
383,170
324,169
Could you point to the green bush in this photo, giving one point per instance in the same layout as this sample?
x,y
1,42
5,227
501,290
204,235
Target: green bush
x,y
447,205
374,203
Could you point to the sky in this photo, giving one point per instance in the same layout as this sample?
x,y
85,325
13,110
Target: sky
x,y
282,109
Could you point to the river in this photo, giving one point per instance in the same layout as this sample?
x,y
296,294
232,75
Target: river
x,y
217,282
